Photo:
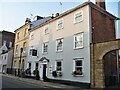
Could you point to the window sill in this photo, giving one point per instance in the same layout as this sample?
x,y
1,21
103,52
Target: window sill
x,y
78,48
59,28
46,33
78,75
45,53
76,22
59,51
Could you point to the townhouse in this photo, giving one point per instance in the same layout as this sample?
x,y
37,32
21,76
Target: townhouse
x,y
21,44
61,47
20,49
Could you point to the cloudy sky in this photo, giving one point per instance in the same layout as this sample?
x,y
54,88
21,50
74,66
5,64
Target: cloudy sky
x,y
14,12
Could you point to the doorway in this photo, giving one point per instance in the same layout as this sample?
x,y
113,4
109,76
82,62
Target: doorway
x,y
44,71
110,68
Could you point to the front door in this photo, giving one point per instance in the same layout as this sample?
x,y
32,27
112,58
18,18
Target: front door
x,y
44,71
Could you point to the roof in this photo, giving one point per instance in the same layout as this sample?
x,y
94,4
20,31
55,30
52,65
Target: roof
x,y
73,9
7,32
40,21
36,23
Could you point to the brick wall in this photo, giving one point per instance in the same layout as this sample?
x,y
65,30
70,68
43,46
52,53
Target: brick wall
x,y
8,37
103,27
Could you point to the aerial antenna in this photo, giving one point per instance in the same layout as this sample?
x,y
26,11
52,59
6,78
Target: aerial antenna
x,y
31,17
60,7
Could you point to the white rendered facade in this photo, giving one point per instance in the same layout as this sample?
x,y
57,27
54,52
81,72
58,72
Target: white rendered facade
x,y
67,54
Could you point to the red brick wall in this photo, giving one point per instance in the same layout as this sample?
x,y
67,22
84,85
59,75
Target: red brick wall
x,y
8,37
103,27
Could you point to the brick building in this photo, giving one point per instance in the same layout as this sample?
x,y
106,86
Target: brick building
x,y
6,40
6,50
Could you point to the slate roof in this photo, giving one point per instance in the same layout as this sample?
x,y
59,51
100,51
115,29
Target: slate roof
x,y
40,21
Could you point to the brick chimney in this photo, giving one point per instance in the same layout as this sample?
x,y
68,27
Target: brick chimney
x,y
101,3
39,17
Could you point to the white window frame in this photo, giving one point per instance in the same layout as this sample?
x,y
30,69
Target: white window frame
x,y
32,36
10,44
44,48
74,65
57,44
24,47
62,24
16,49
81,13
18,35
4,43
25,32
81,33
46,27
59,60
56,65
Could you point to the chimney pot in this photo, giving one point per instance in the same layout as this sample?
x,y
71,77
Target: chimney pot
x,y
57,14
27,20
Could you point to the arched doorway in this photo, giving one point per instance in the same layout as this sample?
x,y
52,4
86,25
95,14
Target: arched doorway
x,y
110,68
99,52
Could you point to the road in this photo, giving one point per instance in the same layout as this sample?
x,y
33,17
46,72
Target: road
x,y
16,84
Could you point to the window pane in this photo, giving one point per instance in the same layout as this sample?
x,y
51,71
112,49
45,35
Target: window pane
x,y
78,63
10,44
45,47
78,17
34,52
79,40
60,24
58,63
46,29
59,44
78,69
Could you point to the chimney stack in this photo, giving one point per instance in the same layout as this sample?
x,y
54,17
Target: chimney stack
x,y
39,17
57,14
27,20
101,3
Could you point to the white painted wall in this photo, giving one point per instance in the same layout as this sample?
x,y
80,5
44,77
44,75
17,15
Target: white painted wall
x,y
8,61
68,53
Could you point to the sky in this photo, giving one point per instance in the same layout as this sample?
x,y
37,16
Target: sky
x,y
13,13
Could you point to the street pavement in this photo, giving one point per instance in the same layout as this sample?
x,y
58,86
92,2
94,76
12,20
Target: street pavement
x,y
12,82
